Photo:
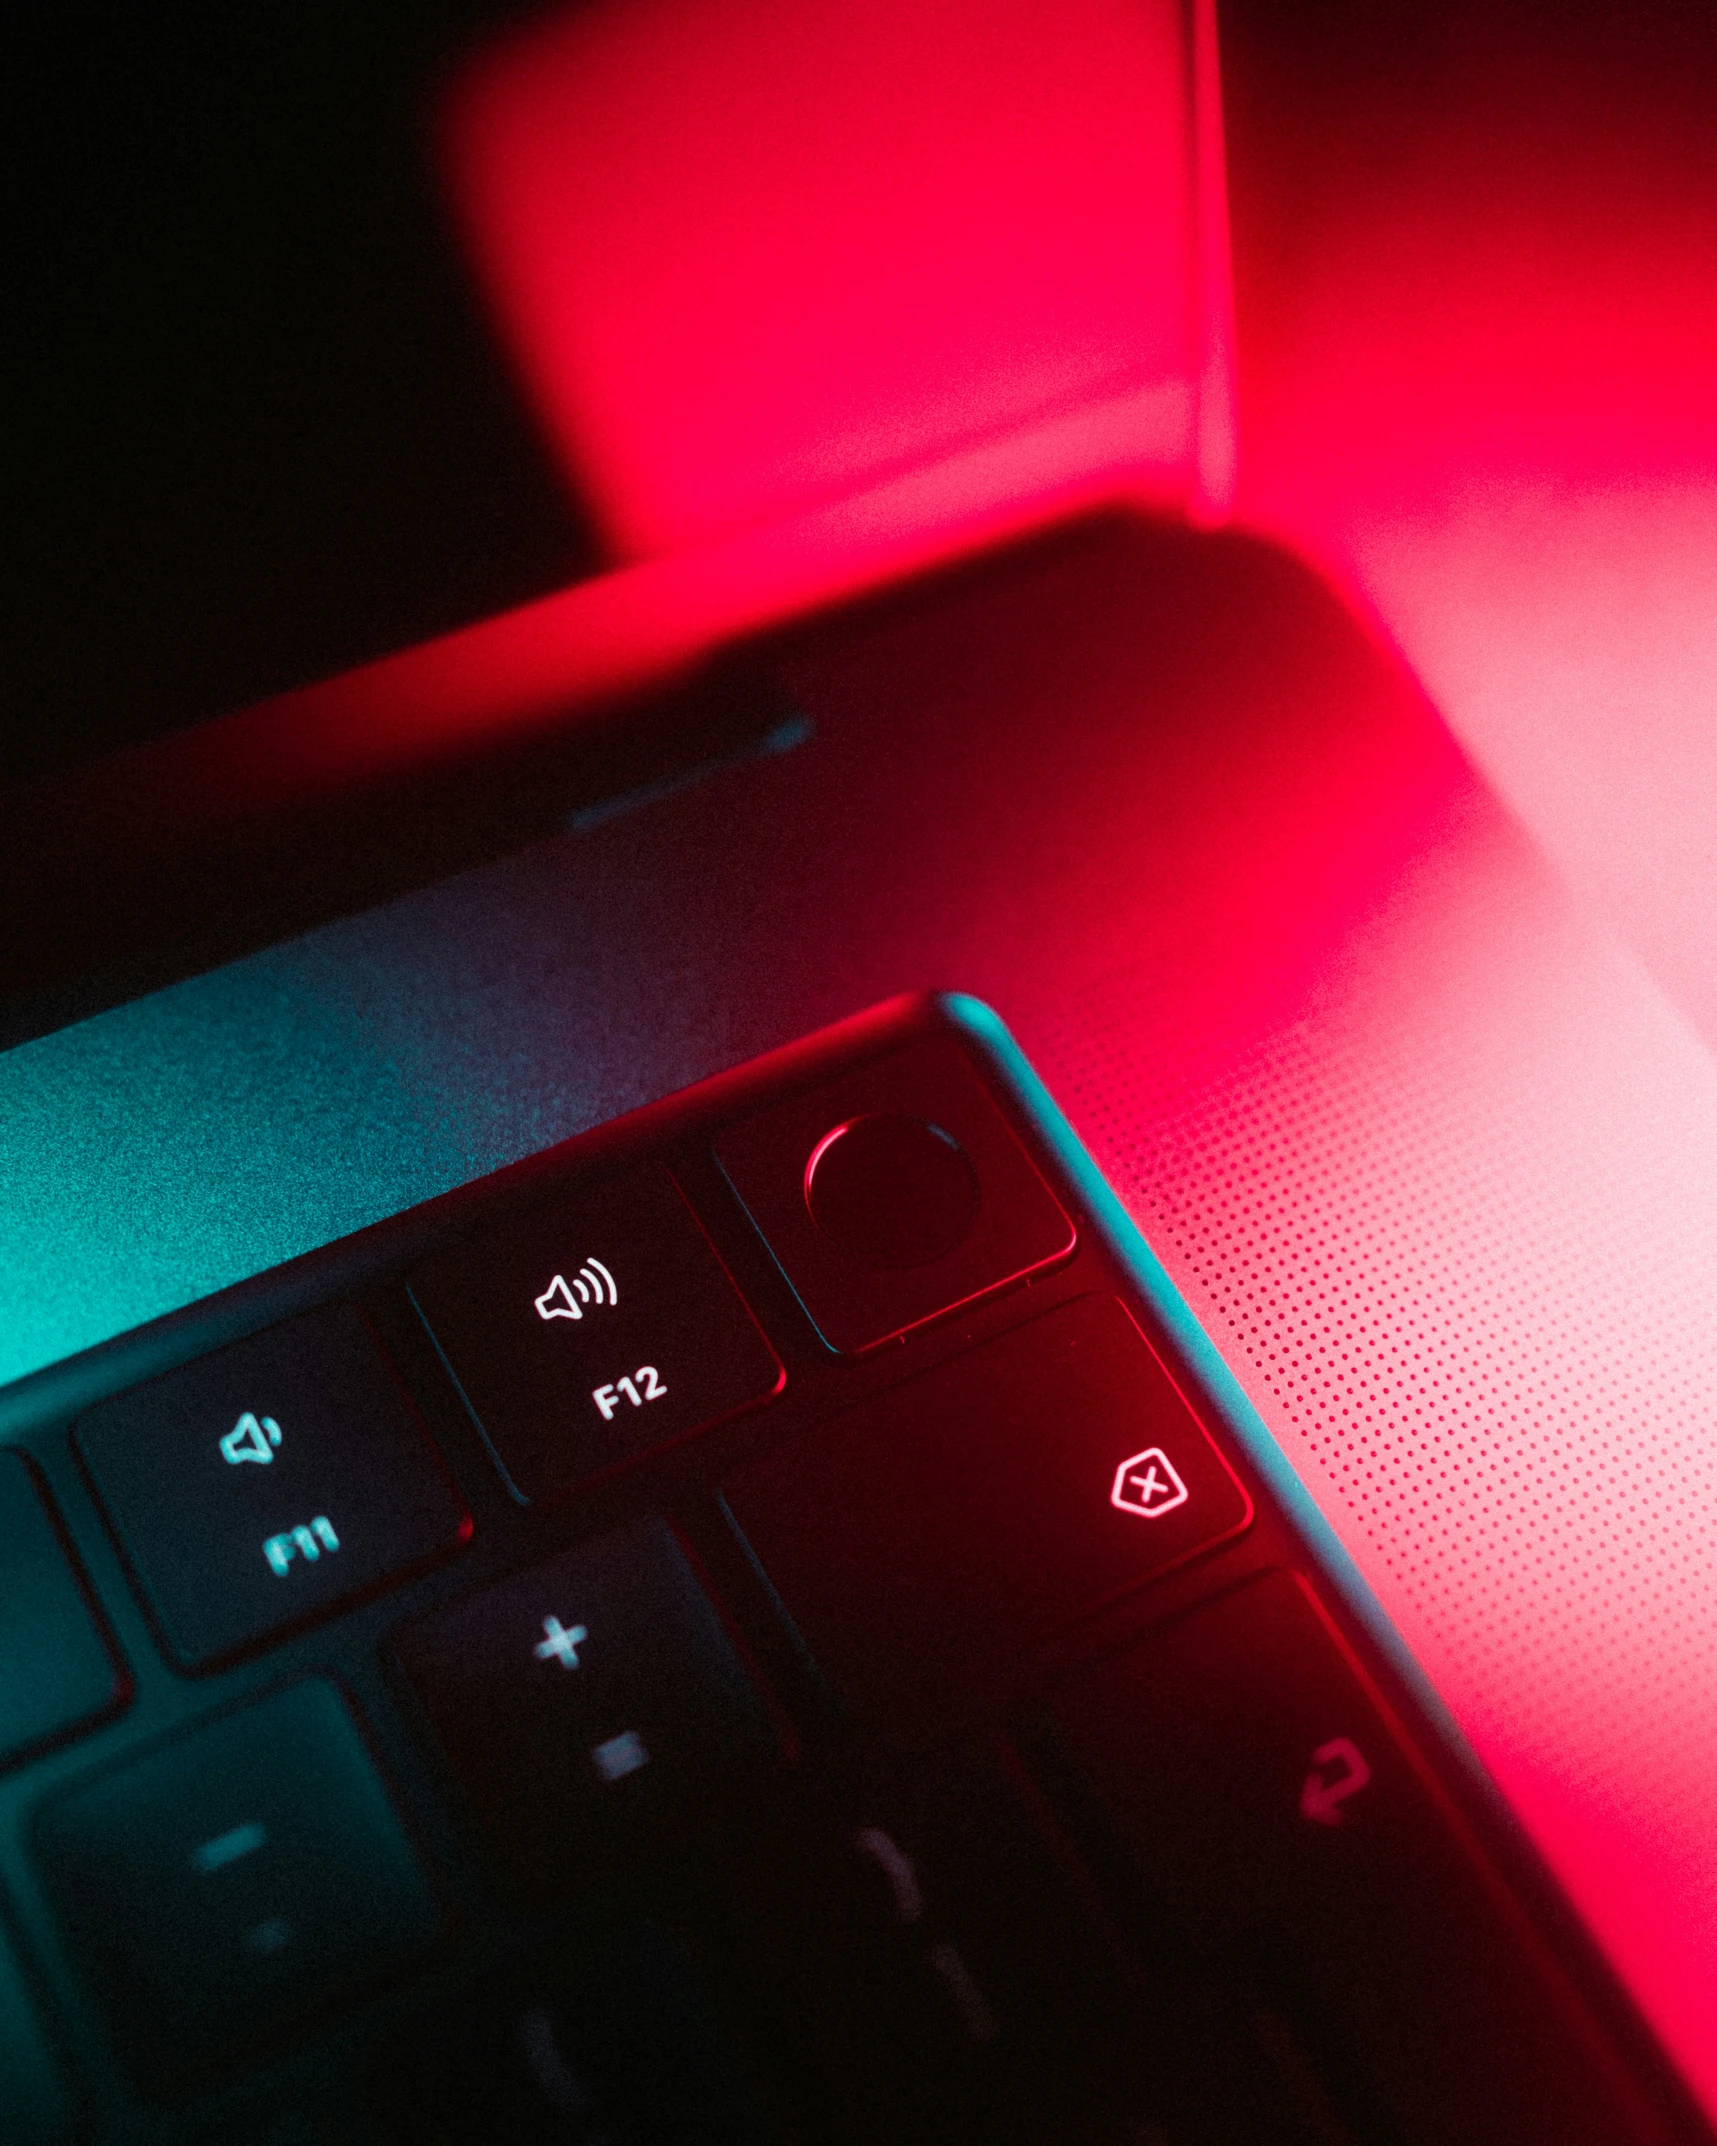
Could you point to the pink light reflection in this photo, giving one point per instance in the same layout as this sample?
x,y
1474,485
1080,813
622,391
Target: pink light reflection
x,y
1478,387
753,254
1484,394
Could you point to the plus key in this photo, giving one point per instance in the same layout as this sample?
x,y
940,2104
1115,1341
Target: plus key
x,y
558,1644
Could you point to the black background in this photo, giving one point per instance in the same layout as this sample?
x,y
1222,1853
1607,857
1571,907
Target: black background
x,y
260,432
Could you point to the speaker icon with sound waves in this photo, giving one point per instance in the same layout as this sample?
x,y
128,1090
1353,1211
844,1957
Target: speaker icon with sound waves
x,y
591,1288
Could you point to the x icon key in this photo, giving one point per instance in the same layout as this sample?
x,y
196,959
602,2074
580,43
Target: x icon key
x,y
1148,1485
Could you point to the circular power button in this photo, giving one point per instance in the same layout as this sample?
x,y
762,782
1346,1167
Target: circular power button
x,y
892,1191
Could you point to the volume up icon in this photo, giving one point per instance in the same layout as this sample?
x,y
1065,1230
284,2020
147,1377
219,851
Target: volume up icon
x,y
591,1286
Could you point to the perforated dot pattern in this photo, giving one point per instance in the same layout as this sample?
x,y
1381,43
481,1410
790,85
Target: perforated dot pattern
x,y
1454,1225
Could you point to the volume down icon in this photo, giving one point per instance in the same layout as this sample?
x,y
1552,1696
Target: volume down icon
x,y
591,1287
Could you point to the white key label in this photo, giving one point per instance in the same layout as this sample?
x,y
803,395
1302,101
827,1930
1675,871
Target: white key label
x,y
308,1543
1147,1485
560,1645
645,1384
590,1289
252,1438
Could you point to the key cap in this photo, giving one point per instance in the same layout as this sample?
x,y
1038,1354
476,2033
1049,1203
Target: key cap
x,y
270,1482
227,1886
59,1674
590,1707
922,1970
892,1194
1261,1791
922,1541
951,1983
588,1333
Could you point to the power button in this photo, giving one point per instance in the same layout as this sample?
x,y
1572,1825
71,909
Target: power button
x,y
893,1193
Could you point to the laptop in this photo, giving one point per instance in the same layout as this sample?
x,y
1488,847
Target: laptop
x,y
1295,1033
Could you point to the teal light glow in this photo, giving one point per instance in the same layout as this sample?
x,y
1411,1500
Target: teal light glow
x,y
174,1145
179,1144
184,1142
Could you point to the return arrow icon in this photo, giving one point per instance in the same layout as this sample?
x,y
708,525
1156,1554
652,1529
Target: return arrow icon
x,y
1324,1793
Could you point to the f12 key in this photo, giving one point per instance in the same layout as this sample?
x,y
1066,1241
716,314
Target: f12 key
x,y
589,1332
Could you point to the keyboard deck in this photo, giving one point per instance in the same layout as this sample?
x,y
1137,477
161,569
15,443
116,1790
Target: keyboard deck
x,y
752,1625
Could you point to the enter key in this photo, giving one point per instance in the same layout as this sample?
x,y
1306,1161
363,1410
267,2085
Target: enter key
x,y
1261,1793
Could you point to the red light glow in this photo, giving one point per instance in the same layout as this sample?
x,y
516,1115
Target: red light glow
x,y
756,254
1479,393
1479,390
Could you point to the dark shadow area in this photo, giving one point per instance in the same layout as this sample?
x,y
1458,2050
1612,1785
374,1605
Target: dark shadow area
x,y
258,430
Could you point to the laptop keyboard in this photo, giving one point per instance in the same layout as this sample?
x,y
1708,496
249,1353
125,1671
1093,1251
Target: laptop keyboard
x,y
747,1627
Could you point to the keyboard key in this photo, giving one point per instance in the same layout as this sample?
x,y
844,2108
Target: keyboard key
x,y
946,1980
892,1191
32,2092
266,1484
59,1673
921,1542
1262,1793
589,1333
610,2038
589,1706
226,1887
919,1969
892,1194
